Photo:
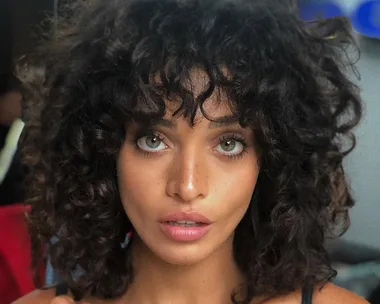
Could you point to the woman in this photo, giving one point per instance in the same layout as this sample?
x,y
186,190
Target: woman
x,y
211,132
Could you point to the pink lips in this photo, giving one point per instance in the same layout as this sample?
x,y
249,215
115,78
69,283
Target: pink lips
x,y
185,227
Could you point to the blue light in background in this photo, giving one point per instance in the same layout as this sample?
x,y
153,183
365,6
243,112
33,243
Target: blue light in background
x,y
313,10
365,17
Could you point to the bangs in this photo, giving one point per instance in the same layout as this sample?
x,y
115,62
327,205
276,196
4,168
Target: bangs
x,y
147,71
178,90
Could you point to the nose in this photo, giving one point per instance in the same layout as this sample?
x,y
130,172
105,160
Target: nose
x,y
187,178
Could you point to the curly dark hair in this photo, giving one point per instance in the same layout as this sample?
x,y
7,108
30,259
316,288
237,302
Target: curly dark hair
x,y
287,79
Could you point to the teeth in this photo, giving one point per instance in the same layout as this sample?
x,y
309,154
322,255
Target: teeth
x,y
183,223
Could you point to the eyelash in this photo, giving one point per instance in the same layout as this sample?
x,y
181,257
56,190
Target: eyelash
x,y
145,133
237,138
222,139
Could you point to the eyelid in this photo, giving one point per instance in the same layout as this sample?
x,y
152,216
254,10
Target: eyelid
x,y
144,132
148,149
233,136
243,132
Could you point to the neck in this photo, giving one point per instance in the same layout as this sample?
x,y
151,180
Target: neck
x,y
210,281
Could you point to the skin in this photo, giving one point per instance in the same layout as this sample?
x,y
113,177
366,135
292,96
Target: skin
x,y
190,170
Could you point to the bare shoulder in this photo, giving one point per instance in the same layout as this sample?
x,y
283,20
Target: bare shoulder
x,y
38,296
333,294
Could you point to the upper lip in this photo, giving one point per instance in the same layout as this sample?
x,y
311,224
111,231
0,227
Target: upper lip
x,y
186,216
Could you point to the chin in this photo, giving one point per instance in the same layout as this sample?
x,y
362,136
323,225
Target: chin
x,y
180,254
183,259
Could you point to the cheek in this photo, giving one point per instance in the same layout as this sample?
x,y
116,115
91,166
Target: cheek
x,y
139,183
236,188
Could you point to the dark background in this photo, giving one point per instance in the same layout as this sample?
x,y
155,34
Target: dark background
x,y
19,24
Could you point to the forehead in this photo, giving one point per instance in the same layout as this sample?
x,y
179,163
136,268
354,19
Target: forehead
x,y
217,105
194,98
214,108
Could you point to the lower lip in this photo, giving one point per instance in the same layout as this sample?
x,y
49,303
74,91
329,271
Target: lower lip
x,y
184,234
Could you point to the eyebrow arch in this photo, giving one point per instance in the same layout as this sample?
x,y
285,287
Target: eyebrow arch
x,y
224,121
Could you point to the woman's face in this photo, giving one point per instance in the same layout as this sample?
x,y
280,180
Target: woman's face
x,y
185,189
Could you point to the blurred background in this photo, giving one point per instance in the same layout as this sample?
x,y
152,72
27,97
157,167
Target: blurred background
x,y
356,255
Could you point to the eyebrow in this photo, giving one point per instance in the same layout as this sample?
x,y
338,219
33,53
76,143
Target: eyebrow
x,y
216,123
224,121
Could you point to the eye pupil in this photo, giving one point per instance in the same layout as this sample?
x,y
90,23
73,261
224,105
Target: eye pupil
x,y
152,141
229,145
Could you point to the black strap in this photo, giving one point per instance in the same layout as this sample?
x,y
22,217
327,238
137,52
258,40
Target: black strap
x,y
307,295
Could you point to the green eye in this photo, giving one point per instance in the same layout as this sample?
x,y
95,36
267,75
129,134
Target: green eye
x,y
228,145
151,143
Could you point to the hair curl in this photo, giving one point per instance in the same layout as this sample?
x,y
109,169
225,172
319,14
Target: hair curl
x,y
287,79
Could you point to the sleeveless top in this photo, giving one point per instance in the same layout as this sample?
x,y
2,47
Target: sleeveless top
x,y
307,293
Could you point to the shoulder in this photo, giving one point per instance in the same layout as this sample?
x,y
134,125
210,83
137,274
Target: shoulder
x,y
327,294
39,296
333,294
